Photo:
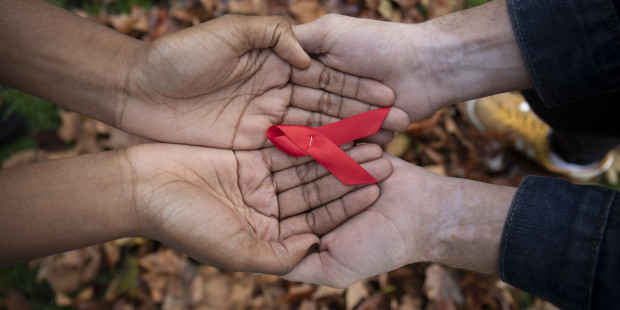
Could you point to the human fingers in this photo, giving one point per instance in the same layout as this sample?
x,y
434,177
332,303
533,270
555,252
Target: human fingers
x,y
316,37
296,116
272,257
322,220
383,136
340,106
276,160
311,171
320,76
268,32
313,194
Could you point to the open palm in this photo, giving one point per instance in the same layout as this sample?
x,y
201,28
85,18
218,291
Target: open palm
x,y
223,83
383,237
246,210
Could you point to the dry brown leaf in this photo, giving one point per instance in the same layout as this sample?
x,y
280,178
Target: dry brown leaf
x,y
85,294
372,5
23,158
355,293
418,128
407,4
375,302
184,15
196,290
248,7
440,286
398,145
298,292
67,272
241,293
69,126
211,5
408,302
126,23
322,292
112,253
159,24
308,304
611,176
439,8
438,169
432,155
306,10
385,9
62,300
14,300
123,23
216,290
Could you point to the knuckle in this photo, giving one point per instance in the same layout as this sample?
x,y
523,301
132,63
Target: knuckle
x,y
306,194
302,172
325,77
311,221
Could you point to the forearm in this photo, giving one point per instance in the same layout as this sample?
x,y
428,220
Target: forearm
x,y
65,204
61,57
469,54
469,224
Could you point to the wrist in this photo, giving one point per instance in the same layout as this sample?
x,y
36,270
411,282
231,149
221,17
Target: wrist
x,y
469,224
468,55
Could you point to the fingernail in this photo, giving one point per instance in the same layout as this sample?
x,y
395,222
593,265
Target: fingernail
x,y
313,249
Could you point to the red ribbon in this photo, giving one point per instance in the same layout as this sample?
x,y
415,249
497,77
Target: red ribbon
x,y
322,143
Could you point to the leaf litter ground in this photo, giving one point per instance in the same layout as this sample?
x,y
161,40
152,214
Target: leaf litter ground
x,y
142,274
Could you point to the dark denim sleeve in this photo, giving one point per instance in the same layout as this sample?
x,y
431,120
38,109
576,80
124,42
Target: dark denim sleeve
x,y
571,47
561,242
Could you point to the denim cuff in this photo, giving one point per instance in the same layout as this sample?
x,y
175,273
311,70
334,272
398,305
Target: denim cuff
x,y
560,242
570,47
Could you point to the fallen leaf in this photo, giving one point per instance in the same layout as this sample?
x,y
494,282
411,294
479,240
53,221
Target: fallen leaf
x,y
399,145
439,8
67,272
322,292
375,302
440,286
248,7
306,10
438,169
112,253
23,158
355,293
69,126
385,9
14,300
297,293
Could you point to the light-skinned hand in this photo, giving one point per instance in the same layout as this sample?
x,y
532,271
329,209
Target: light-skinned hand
x,y
419,217
465,55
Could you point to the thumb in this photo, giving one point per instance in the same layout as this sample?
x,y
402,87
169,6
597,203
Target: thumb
x,y
276,33
280,257
311,36
318,37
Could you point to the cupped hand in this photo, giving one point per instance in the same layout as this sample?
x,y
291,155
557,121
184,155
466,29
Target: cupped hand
x,y
420,217
453,58
378,50
223,83
256,211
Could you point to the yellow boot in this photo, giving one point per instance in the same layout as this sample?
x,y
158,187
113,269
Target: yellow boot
x,y
510,114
